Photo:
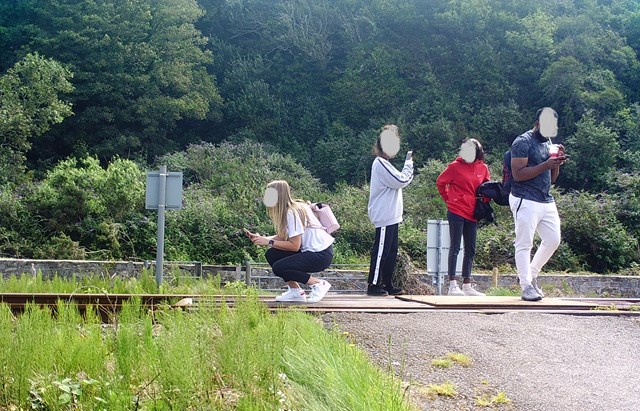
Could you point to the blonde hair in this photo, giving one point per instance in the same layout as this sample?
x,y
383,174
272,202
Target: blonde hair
x,y
386,129
278,213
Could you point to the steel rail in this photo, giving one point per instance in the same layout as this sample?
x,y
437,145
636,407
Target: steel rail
x,y
109,304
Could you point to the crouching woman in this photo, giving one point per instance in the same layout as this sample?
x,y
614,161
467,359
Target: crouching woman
x,y
300,246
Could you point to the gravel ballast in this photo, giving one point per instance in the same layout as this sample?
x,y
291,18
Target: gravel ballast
x,y
538,361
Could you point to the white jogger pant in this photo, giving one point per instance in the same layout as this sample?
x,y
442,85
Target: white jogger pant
x,y
531,217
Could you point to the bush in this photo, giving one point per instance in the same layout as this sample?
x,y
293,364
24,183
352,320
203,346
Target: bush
x,y
81,206
422,202
349,204
209,229
593,232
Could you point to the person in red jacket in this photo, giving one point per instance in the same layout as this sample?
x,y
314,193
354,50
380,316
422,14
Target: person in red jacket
x,y
457,185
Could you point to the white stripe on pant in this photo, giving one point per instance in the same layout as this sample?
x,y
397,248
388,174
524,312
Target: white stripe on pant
x,y
383,231
531,217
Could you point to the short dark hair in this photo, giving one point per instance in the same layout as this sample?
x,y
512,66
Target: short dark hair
x,y
539,112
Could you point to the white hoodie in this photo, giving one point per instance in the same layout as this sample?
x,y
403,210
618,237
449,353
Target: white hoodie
x,y
385,191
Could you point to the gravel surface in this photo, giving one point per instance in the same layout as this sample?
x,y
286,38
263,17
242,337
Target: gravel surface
x,y
539,361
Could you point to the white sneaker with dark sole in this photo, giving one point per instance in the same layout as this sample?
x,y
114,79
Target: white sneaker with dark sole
x,y
530,294
534,284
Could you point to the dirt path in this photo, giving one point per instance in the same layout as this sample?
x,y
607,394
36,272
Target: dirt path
x,y
537,361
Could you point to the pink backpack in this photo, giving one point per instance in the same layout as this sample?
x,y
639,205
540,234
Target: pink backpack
x,y
325,216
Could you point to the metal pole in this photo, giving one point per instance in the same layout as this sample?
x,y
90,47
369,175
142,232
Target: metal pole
x,y
247,273
162,188
439,264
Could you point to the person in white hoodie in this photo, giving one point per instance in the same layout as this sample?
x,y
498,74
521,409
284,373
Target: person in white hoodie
x,y
385,210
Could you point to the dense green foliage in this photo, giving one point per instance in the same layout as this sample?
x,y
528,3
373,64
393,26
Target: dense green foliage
x,y
125,86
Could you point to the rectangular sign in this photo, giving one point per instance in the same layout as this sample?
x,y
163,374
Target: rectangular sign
x,y
173,193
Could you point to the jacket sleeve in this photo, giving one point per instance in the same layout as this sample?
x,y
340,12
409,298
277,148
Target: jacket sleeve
x,y
442,183
391,177
487,176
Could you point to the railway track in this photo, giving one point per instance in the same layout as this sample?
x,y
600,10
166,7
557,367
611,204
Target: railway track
x,y
107,305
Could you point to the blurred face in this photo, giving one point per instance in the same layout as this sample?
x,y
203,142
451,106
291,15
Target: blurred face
x,y
468,151
270,198
548,123
390,142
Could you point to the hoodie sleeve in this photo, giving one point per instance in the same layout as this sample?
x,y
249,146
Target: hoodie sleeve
x,y
442,182
487,175
391,177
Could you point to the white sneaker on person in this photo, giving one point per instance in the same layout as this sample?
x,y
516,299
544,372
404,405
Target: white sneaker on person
x,y
455,291
292,294
534,284
468,290
318,291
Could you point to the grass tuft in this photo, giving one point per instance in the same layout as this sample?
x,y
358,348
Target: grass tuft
x,y
446,389
441,363
459,358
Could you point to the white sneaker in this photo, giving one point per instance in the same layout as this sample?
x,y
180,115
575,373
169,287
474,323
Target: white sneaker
x,y
292,294
318,291
534,284
456,291
468,290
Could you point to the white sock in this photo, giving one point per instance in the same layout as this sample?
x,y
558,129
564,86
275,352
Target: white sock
x,y
466,286
453,283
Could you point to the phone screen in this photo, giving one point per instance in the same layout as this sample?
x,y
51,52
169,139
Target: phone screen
x,y
409,154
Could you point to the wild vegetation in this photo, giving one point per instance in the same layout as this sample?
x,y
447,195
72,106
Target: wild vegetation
x,y
236,93
240,359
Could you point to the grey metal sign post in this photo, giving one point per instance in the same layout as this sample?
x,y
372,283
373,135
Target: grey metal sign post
x,y
438,242
164,192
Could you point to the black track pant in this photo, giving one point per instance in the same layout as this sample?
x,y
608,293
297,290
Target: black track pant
x,y
383,256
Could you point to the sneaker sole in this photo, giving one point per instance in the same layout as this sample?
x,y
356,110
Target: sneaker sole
x,y
301,300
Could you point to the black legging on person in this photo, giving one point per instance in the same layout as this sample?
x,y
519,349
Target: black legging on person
x,y
459,227
296,265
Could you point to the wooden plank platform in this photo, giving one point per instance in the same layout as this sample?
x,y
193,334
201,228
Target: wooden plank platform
x,y
497,302
421,303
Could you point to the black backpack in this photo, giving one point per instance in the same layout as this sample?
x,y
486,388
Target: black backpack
x,y
483,210
507,177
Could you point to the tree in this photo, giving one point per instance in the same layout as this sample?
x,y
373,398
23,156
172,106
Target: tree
x,y
140,71
29,105
593,151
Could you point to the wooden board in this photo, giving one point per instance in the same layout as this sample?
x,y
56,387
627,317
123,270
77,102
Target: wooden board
x,y
442,301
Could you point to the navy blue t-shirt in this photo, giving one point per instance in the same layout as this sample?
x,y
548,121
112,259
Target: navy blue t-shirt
x,y
536,149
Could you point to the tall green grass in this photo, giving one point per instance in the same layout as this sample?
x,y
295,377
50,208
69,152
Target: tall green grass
x,y
245,358
174,283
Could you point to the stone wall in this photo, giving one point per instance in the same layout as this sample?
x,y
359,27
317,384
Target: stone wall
x,y
346,279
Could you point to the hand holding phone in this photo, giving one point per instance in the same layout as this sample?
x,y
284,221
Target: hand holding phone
x,y
409,155
248,233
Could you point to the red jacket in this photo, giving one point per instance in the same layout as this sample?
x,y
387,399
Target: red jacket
x,y
457,185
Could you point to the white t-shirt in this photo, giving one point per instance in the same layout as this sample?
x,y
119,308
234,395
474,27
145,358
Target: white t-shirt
x,y
313,239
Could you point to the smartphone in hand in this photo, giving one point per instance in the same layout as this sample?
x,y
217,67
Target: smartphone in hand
x,y
409,155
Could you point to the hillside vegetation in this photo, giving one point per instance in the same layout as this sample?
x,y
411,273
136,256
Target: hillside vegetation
x,y
236,93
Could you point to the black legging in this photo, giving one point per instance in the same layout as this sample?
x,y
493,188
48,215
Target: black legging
x,y
460,227
296,265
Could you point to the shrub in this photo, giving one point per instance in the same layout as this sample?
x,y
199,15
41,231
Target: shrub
x,y
593,232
